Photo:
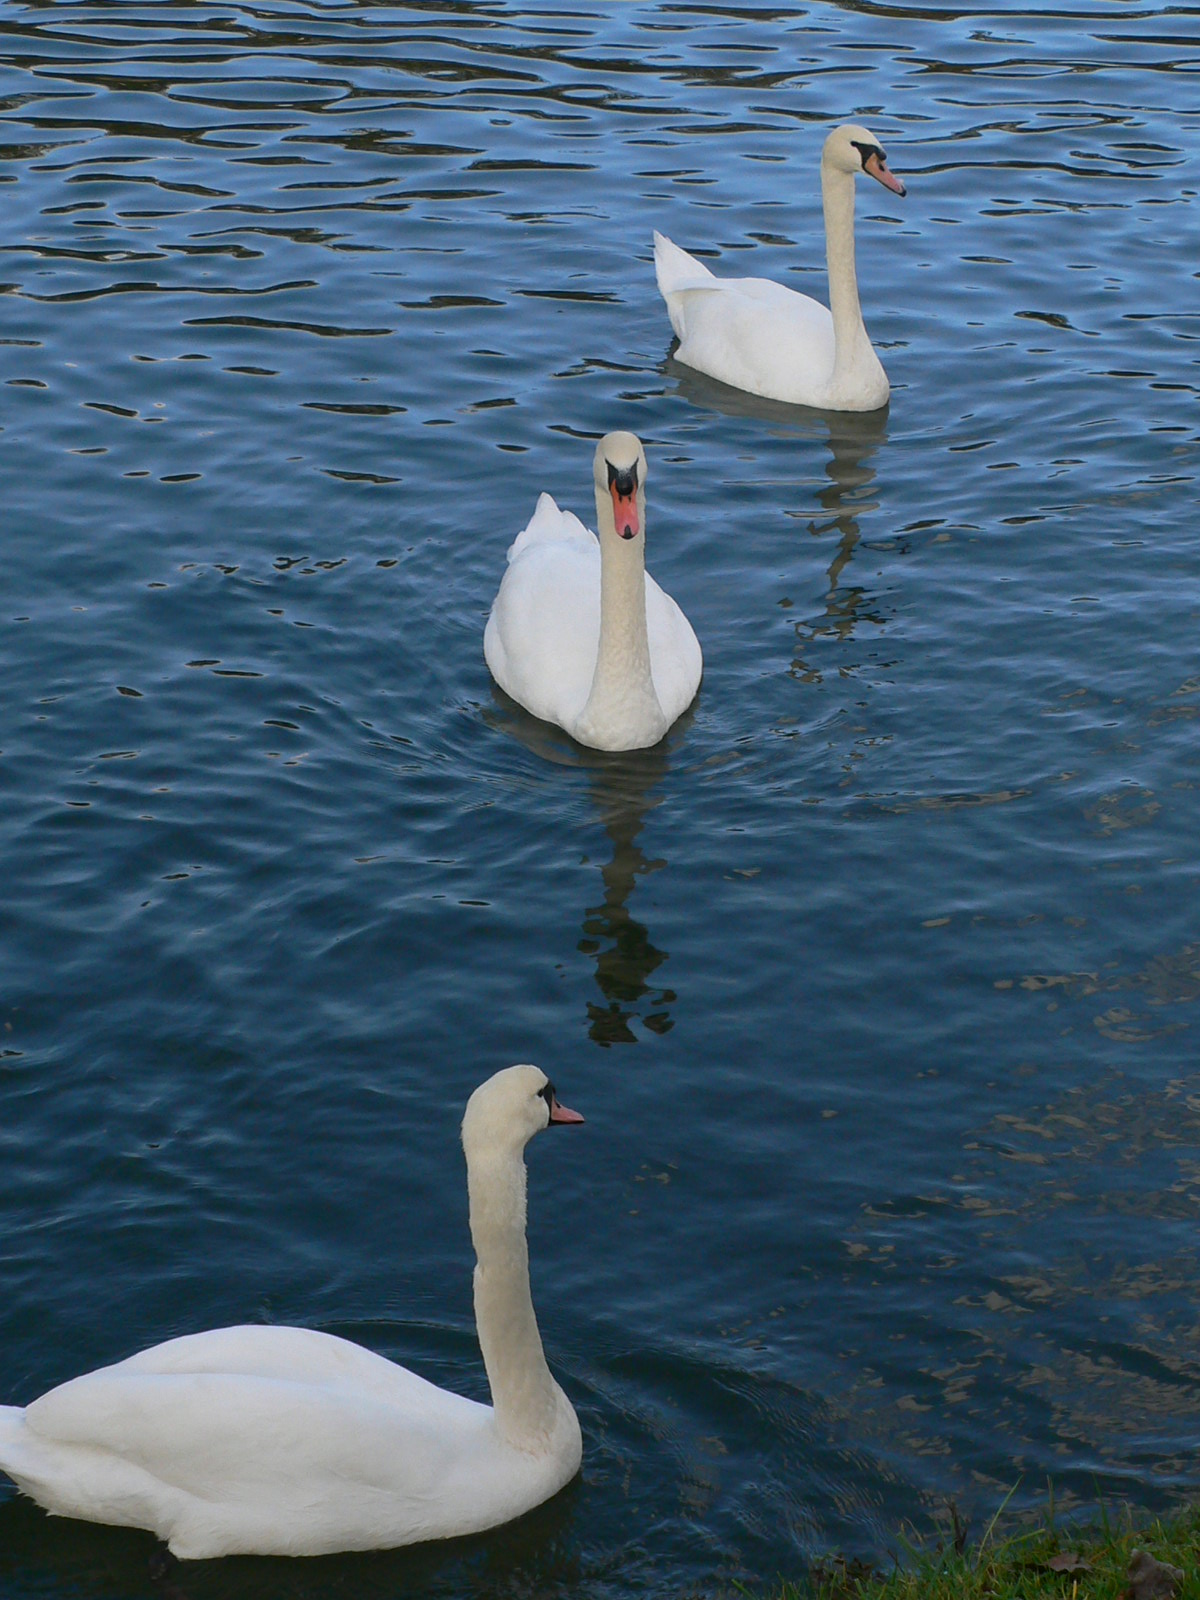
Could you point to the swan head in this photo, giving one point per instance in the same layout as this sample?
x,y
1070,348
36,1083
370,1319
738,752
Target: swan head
x,y
620,474
507,1110
852,149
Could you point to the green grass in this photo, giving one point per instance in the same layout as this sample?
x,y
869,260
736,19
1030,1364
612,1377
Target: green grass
x,y
1045,1563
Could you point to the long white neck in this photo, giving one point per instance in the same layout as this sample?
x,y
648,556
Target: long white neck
x,y
622,708
852,347
524,1394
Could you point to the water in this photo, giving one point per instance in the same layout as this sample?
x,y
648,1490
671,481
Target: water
x,y
877,982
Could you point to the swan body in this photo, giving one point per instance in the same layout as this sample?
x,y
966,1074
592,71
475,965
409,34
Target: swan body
x,y
288,1441
579,633
758,335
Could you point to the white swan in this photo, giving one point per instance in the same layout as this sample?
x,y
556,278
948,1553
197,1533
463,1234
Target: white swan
x,y
579,633
286,1441
757,335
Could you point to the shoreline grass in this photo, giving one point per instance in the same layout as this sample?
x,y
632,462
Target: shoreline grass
x,y
1087,1560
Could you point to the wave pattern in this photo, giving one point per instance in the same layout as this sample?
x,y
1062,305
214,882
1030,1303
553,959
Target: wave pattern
x,y
875,982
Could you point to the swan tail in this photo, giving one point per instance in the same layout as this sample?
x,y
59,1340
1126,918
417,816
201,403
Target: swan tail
x,y
545,514
547,525
675,269
677,272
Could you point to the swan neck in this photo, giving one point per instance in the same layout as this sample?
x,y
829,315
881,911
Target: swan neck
x,y
622,682
524,1394
837,199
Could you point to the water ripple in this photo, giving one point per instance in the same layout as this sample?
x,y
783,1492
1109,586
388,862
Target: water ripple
x,y
875,981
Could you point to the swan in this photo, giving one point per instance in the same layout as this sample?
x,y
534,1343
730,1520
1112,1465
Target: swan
x,y
286,1441
579,633
754,334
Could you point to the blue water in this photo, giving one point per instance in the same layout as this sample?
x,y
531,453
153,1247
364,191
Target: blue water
x,y
877,982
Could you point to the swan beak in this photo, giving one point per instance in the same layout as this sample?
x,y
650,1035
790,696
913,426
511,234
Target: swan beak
x,y
561,1113
625,512
877,168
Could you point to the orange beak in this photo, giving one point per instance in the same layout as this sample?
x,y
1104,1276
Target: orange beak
x,y
561,1113
879,171
625,513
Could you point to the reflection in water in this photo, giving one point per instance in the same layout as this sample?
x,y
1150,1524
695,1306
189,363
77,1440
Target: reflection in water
x,y
624,954
853,441
853,438
622,788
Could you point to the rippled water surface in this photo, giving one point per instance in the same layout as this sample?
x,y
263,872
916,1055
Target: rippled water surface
x,y
877,982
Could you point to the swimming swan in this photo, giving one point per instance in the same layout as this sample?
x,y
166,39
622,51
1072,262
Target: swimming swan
x,y
757,335
579,633
286,1441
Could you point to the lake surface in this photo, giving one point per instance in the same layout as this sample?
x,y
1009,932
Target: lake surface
x,y
877,982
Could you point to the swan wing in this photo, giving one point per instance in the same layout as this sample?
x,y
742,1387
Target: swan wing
x,y
256,1350
758,335
212,1434
307,1449
543,632
676,661
752,333
235,1384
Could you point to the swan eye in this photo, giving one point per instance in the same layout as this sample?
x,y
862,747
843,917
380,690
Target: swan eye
x,y
624,482
547,1094
866,151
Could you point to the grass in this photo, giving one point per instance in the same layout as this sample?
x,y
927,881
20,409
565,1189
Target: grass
x,y
1043,1563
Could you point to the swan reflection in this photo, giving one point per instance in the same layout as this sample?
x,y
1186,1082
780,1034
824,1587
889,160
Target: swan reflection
x,y
852,439
622,788
620,945
849,494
